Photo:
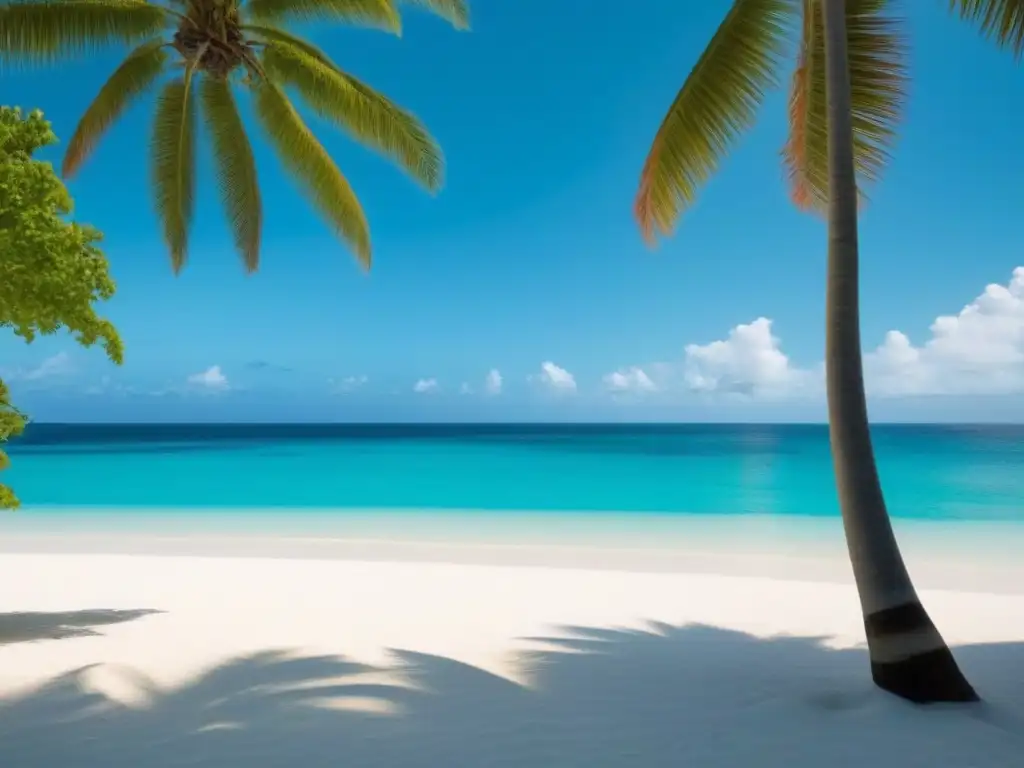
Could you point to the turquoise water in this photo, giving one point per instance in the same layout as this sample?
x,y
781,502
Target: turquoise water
x,y
929,472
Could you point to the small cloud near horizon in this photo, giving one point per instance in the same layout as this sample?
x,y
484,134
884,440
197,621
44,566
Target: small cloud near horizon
x,y
493,382
492,386
424,386
629,380
748,362
555,378
211,380
348,384
109,386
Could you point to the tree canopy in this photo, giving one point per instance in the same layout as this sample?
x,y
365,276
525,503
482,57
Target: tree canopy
x,y
51,270
196,54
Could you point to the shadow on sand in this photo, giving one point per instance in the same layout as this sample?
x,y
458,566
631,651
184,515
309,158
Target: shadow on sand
x,y
684,697
26,627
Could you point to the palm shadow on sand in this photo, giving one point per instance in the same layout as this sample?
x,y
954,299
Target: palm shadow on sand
x,y
25,627
665,696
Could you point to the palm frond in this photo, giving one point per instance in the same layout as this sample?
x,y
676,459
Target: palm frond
x,y
878,75
44,31
805,153
307,160
137,72
999,20
454,11
377,13
172,158
716,103
362,112
236,167
267,34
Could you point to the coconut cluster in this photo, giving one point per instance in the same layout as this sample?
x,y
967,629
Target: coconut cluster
x,y
213,38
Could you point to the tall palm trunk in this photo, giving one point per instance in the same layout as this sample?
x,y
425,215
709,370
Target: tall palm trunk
x,y
908,655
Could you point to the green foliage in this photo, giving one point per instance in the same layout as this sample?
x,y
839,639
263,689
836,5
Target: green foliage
x,y
999,20
12,424
49,30
719,100
309,162
381,13
51,269
221,45
454,11
137,73
236,168
173,163
357,109
877,55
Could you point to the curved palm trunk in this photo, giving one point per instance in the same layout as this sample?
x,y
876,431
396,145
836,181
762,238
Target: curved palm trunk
x,y
908,655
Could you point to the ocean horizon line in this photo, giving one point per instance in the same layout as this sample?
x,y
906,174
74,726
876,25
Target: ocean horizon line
x,y
510,423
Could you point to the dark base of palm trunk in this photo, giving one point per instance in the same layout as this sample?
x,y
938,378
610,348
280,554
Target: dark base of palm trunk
x,y
926,678
929,678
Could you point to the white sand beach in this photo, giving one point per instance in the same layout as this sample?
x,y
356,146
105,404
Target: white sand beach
x,y
147,651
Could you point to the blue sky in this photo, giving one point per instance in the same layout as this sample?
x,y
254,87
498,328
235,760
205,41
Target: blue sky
x,y
529,254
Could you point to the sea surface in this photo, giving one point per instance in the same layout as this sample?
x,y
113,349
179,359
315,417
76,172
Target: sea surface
x,y
929,472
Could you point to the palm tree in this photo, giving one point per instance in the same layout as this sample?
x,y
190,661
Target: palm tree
x,y
845,100
202,50
1001,21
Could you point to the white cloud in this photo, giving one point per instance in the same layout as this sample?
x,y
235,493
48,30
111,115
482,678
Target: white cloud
x,y
425,385
555,378
631,379
348,384
978,351
748,362
212,379
493,382
58,365
105,386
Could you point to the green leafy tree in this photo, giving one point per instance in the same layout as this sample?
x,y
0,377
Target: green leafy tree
x,y
197,53
846,97
51,270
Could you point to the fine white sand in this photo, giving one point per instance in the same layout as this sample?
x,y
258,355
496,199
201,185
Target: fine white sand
x,y
221,661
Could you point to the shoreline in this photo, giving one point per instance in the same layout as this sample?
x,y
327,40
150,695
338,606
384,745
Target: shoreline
x,y
443,523
958,555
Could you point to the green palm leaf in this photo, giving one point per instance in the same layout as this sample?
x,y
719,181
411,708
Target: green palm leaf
x,y
805,153
1001,20
268,34
358,109
137,72
309,162
47,30
236,167
172,157
717,102
378,13
454,11
877,54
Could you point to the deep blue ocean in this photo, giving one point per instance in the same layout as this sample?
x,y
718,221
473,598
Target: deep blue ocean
x,y
929,472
